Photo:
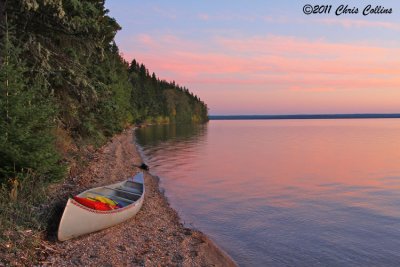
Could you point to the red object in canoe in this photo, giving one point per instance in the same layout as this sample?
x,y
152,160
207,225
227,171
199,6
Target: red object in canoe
x,y
96,205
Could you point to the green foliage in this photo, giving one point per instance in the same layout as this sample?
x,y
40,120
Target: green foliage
x,y
70,44
153,98
114,100
68,70
20,199
62,73
26,120
24,211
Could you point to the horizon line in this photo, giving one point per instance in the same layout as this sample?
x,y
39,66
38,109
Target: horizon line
x,y
308,116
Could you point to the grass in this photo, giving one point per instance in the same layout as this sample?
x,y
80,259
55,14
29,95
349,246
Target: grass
x,y
24,213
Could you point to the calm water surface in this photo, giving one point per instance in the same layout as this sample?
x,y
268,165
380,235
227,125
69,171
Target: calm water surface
x,y
287,192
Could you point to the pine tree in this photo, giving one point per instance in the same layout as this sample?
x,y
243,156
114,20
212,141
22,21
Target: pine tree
x,y
27,118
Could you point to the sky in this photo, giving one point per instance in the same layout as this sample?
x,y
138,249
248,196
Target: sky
x,y
268,57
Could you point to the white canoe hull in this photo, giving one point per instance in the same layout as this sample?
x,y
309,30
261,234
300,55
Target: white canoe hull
x,y
78,220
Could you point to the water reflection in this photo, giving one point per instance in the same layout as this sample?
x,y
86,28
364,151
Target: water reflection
x,y
172,147
284,193
153,135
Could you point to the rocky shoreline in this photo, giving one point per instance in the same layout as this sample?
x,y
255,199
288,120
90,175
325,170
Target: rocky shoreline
x,y
154,237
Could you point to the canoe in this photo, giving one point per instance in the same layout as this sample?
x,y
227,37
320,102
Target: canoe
x,y
78,219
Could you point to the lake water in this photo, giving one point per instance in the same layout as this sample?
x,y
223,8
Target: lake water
x,y
286,192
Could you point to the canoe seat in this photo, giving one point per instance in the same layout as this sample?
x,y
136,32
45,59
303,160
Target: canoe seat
x,y
113,197
129,185
124,189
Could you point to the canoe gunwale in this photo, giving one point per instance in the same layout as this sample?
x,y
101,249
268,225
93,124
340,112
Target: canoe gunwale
x,y
131,205
95,220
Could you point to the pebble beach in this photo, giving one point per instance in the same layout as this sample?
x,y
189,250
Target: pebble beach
x,y
154,237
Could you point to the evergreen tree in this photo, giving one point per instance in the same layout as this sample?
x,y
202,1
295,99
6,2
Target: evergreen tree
x,y
26,119
152,98
69,49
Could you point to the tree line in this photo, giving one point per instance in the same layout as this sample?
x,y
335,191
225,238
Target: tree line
x,y
60,69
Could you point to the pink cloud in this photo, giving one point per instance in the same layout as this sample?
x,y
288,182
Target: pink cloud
x,y
146,40
275,67
310,89
295,47
204,17
274,54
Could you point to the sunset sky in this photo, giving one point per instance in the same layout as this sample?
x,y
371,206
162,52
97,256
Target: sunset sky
x,y
268,57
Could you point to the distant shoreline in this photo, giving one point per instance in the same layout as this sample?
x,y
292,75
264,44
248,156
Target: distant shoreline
x,y
305,116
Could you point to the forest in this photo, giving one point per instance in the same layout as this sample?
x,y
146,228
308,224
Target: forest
x,y
62,75
64,87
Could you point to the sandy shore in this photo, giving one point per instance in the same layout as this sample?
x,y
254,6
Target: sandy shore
x,y
154,237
